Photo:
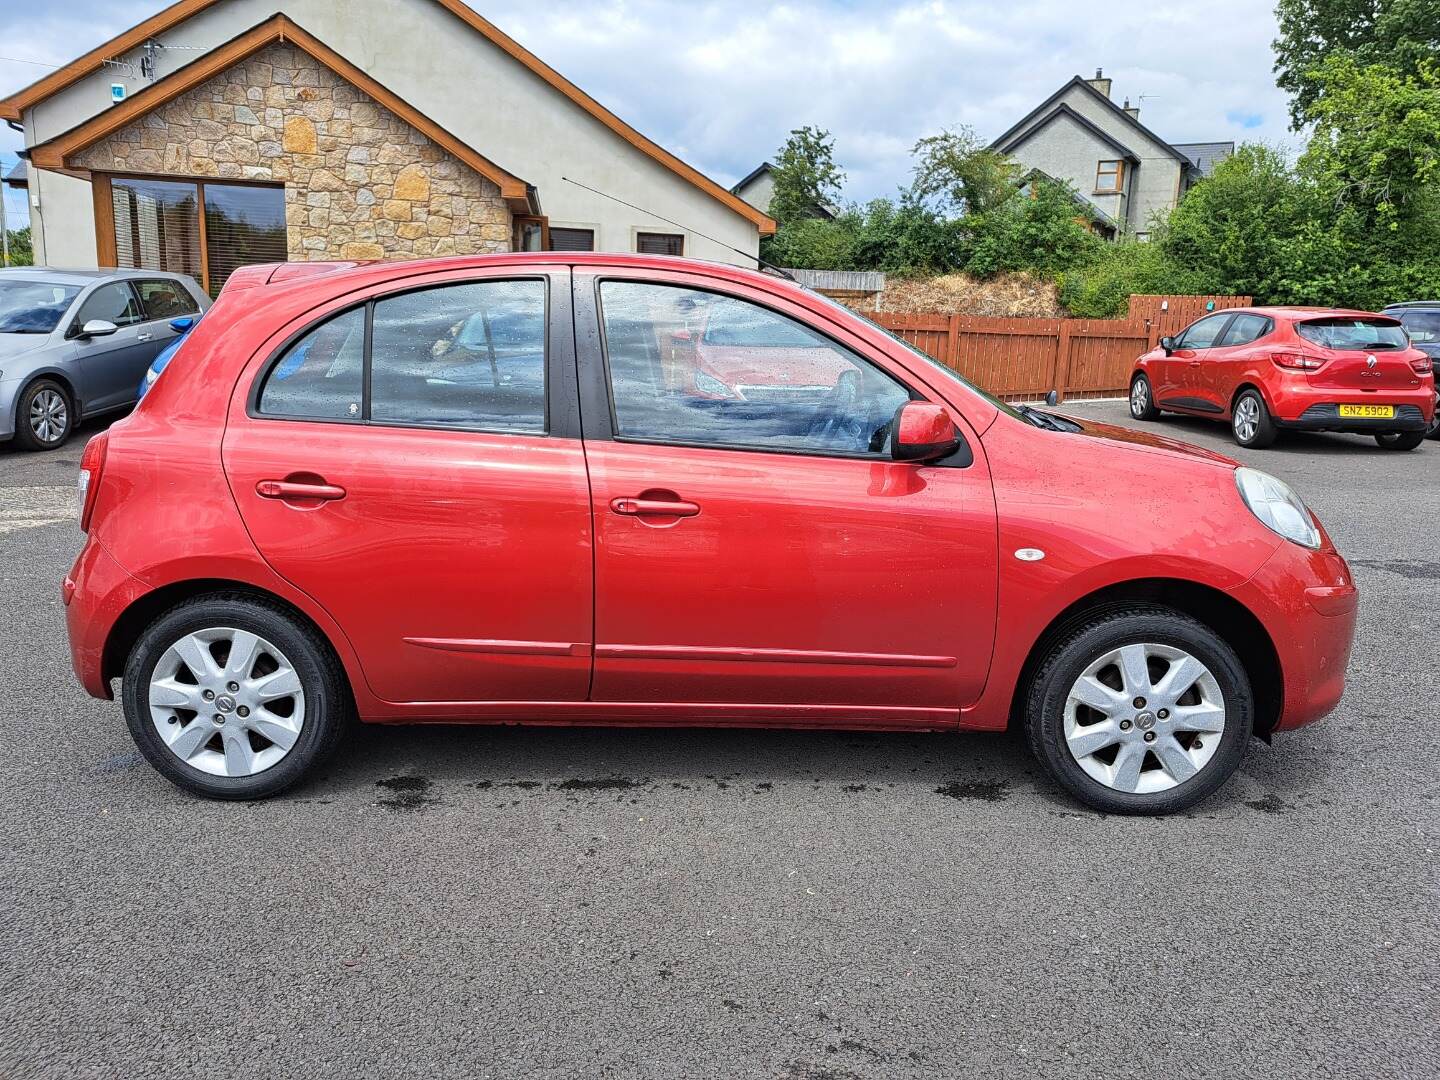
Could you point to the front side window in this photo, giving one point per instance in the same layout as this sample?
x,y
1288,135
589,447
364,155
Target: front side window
x,y
470,356
1422,326
114,303
162,299
1204,333
697,368
1354,335
321,376
1244,329
34,307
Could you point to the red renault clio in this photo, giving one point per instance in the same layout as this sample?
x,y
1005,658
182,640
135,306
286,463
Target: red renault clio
x,y
1307,369
493,490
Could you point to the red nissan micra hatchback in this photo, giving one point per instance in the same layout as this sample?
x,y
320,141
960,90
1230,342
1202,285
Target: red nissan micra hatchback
x,y
1307,369
495,490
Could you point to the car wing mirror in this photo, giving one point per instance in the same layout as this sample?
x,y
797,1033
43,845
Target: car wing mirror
x,y
181,325
1052,398
1168,344
98,328
923,431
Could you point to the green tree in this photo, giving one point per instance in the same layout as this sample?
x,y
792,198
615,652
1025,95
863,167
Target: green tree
x,y
21,252
1038,231
807,180
1403,34
959,174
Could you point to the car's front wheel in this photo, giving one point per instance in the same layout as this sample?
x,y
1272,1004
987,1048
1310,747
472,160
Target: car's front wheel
x,y
232,697
44,416
1400,440
1140,710
1142,399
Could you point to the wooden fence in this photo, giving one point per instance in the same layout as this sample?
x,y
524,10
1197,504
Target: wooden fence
x,y
1024,359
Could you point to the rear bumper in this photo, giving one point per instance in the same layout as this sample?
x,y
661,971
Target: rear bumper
x,y
1327,417
1308,602
96,592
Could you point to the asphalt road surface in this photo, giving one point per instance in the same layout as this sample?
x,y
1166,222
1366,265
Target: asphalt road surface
x,y
606,903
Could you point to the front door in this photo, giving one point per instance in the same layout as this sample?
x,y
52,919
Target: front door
x,y
409,464
111,366
1185,388
755,543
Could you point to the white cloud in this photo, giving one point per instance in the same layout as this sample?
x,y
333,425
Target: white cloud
x,y
721,82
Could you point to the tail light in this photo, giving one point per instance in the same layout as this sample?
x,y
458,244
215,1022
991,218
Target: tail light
x,y
1421,365
92,463
1293,361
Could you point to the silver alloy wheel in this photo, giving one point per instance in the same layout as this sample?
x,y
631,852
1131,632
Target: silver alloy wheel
x,y
1139,397
49,415
227,702
1144,718
1247,419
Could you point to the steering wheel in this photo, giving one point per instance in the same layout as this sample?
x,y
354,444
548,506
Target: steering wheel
x,y
835,423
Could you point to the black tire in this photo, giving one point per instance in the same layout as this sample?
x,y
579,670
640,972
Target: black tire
x,y
1264,430
26,435
328,705
1142,399
1399,440
1091,639
1433,431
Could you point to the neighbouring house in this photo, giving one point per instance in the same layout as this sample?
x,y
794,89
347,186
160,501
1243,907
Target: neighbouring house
x,y
224,132
758,189
1121,168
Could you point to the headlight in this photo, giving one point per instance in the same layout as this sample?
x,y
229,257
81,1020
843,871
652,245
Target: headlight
x,y
1278,508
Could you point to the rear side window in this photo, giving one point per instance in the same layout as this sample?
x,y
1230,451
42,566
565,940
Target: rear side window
x,y
1422,326
1354,334
470,356
1244,329
114,303
165,299
322,375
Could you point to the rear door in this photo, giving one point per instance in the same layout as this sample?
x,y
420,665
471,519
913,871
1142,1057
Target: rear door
x,y
423,480
1235,350
111,367
758,552
1184,388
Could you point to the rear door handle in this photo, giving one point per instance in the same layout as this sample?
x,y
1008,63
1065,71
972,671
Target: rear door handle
x,y
289,489
638,507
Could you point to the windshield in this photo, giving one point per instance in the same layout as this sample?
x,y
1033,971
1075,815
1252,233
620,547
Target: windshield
x,y
33,307
1423,326
1354,334
949,372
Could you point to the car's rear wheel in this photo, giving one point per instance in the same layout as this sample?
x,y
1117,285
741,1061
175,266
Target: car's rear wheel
x,y
1400,440
1142,399
1433,431
45,416
1250,422
1140,710
232,697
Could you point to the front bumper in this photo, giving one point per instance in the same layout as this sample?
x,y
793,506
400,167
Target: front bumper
x,y
1307,602
1327,417
96,592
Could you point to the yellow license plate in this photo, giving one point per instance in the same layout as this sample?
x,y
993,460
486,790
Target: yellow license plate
x,y
1371,412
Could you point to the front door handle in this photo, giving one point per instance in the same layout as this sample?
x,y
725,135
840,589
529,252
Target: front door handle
x,y
143,336
290,489
637,506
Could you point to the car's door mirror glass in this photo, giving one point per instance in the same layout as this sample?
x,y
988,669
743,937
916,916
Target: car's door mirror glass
x,y
1168,344
694,367
98,328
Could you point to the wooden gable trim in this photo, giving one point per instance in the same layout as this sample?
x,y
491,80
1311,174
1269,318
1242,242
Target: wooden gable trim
x,y
57,153
11,107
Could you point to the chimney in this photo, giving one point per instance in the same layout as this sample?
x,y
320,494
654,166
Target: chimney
x,y
1099,82
1132,111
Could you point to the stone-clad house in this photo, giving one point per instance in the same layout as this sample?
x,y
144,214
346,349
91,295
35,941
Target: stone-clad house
x,y
373,129
1123,172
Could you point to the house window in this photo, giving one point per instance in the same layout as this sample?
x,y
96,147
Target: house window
x,y
1109,177
530,234
572,239
203,230
654,243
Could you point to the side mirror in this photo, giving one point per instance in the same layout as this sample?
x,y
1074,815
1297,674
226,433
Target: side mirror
x,y
1168,344
923,431
98,328
1052,398
181,325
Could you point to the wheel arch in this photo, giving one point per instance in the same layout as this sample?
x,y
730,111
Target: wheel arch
x,y
66,383
147,608
1236,624
1248,384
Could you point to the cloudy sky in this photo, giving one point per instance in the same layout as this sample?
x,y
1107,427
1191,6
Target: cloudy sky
x,y
721,82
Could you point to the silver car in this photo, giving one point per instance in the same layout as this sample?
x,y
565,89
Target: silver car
x,y
76,343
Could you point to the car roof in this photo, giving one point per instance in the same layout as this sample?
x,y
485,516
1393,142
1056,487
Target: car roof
x,y
78,277
1298,312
